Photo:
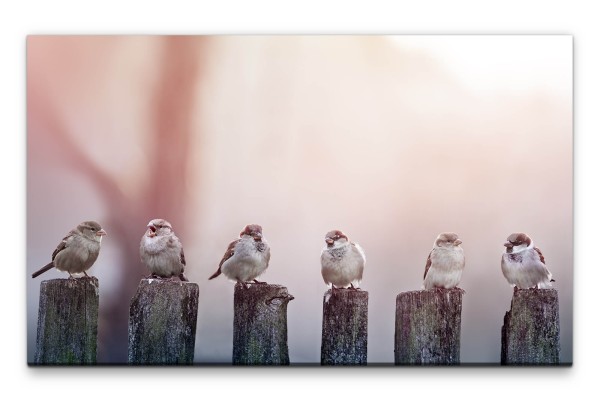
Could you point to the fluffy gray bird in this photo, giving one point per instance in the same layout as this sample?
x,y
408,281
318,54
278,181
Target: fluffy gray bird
x,y
161,251
78,251
445,263
246,258
523,265
342,261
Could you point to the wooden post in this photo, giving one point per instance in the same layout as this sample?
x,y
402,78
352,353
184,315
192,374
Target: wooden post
x,y
67,328
162,323
428,327
344,333
530,334
260,325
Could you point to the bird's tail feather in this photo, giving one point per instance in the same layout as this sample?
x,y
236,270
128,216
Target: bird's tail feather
x,y
43,270
216,274
182,277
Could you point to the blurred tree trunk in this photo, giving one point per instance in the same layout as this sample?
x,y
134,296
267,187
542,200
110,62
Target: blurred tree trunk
x,y
172,108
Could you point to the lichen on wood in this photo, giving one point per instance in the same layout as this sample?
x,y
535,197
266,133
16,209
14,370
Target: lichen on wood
x,y
162,323
260,324
67,328
345,327
428,324
531,330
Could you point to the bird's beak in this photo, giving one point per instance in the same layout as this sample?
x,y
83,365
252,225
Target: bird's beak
x,y
508,245
329,241
257,237
101,232
151,231
457,242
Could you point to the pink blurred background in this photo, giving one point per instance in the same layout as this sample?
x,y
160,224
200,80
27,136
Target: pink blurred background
x,y
390,139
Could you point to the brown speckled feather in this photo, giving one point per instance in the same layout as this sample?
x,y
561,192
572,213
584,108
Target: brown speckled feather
x,y
60,247
540,254
427,265
182,257
227,255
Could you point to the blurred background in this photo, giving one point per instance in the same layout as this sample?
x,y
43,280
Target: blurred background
x,y
392,139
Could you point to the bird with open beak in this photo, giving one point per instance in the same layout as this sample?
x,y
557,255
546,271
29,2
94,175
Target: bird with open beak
x,y
161,251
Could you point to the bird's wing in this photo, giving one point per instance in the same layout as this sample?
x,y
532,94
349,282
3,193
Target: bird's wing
x,y
544,262
182,257
182,276
268,255
228,253
361,252
540,254
174,242
62,245
427,265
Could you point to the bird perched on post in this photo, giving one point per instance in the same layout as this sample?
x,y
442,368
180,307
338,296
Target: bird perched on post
x,y
161,251
246,258
445,262
78,251
342,261
523,265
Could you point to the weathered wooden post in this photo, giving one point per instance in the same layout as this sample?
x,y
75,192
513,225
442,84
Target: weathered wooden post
x,y
428,327
530,334
67,322
162,323
260,324
344,333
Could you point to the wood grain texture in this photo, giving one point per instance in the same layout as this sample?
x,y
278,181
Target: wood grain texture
x,y
162,323
428,327
67,328
260,325
531,330
345,327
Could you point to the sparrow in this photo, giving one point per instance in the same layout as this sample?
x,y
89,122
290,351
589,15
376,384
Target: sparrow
x,y
161,251
445,262
78,251
342,261
523,265
246,258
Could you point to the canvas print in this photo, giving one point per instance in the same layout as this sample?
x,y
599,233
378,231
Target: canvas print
x,y
292,200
